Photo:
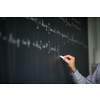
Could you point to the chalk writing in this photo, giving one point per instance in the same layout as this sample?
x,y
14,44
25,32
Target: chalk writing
x,y
38,44
49,29
76,21
71,24
13,40
26,42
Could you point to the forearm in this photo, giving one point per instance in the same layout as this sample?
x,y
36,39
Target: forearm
x,y
72,69
79,79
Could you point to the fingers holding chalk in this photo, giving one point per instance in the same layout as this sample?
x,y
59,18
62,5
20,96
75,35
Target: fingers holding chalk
x,y
61,56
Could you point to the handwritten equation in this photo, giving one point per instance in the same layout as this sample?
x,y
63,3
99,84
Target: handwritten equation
x,y
48,29
72,23
37,44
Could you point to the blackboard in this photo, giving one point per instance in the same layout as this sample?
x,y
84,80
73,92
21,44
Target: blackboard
x,y
30,49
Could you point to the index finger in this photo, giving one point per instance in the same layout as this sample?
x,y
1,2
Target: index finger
x,y
68,56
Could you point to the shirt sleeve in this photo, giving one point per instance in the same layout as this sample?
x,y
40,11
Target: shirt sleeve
x,y
90,79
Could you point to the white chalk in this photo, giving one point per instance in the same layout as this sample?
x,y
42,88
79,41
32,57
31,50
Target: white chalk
x,y
61,56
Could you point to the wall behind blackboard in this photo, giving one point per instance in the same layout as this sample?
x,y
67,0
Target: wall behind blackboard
x,y
30,49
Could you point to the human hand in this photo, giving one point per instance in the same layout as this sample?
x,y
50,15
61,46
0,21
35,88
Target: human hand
x,y
70,60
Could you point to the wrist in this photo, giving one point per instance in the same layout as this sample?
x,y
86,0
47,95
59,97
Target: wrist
x,y
73,70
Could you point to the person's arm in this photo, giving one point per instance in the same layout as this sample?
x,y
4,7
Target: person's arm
x,y
80,79
77,77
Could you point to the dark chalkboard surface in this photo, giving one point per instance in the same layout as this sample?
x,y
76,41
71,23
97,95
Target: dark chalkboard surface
x,y
30,49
